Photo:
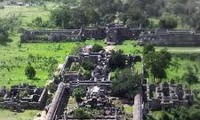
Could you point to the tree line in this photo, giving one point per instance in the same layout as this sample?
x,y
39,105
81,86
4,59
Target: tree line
x,y
134,13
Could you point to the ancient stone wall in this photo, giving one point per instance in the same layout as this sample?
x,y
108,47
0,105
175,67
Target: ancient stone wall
x,y
24,103
59,102
171,38
138,110
97,33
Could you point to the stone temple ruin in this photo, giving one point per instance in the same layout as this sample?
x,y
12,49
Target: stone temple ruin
x,y
114,34
23,97
171,37
151,97
98,87
154,97
164,96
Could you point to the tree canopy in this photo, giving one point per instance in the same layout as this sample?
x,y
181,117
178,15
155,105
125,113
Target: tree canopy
x,y
117,59
156,62
126,83
168,21
30,71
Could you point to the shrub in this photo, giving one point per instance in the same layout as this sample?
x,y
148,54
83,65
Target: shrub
x,y
168,21
30,72
97,48
78,93
126,83
82,113
88,64
117,59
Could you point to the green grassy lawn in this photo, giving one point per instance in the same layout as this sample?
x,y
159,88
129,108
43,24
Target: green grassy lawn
x,y
129,47
181,49
27,115
14,60
27,14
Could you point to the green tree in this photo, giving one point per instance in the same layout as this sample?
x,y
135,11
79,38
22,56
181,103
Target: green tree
x,y
30,71
88,64
3,36
157,62
168,21
78,18
190,77
135,17
61,16
194,20
78,93
148,48
97,48
117,59
126,83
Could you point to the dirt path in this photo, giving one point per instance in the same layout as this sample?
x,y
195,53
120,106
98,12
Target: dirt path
x,y
42,117
109,48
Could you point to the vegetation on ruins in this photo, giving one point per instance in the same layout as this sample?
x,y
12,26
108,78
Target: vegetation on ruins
x,y
117,59
156,62
88,64
83,113
126,83
97,48
30,71
78,93
52,87
136,13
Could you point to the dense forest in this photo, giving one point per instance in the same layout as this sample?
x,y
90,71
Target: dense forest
x,y
134,13
169,14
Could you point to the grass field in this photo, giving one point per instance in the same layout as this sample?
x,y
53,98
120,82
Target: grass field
x,y
129,47
181,49
14,60
27,14
27,115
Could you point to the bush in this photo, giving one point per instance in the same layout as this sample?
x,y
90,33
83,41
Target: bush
x,y
87,74
190,77
52,87
78,93
82,113
88,64
97,48
30,72
168,21
3,35
126,83
117,59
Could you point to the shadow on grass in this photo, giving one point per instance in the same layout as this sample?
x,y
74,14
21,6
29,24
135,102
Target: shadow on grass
x,y
35,79
5,43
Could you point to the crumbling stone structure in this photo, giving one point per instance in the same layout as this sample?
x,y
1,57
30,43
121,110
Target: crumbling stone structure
x,y
23,97
165,95
161,37
112,34
138,110
59,102
96,98
98,87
